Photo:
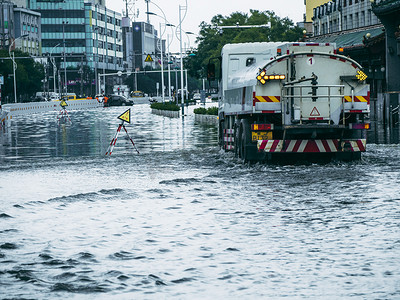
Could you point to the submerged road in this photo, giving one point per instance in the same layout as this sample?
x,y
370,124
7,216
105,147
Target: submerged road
x,y
185,220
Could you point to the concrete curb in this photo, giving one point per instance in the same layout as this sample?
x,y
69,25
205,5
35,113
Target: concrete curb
x,y
206,119
165,113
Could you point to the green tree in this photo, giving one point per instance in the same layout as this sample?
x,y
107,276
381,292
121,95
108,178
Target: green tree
x,y
29,76
211,39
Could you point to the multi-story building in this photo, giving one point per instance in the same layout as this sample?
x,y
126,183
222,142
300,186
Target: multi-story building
x,y
310,5
28,23
341,15
20,27
85,34
369,32
7,24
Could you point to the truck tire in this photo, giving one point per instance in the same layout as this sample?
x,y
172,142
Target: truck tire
x,y
221,134
237,137
245,141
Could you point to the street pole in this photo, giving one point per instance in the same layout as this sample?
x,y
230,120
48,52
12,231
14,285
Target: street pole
x,y
54,68
134,70
98,79
96,58
186,86
65,60
169,72
15,81
162,68
180,46
176,85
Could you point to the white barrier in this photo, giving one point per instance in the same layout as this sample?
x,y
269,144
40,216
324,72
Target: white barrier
x,y
4,118
15,109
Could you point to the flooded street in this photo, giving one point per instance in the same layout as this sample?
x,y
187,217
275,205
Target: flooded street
x,y
184,220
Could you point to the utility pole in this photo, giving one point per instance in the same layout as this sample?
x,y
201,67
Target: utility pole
x,y
148,15
180,45
65,60
162,68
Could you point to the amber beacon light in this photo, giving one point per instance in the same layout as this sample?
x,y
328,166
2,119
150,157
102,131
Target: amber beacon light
x,y
263,77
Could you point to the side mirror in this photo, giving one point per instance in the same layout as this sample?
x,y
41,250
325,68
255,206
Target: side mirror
x,y
211,72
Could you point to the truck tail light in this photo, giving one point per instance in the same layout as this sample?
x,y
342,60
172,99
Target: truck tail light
x,y
359,126
262,126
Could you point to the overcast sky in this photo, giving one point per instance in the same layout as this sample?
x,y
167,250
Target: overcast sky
x,y
204,10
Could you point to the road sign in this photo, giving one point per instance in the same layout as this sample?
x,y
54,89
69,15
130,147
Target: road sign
x,y
126,116
63,103
148,58
1,80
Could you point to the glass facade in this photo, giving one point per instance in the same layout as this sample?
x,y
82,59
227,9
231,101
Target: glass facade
x,y
89,31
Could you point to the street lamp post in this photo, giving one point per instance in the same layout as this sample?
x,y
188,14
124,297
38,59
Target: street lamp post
x,y
54,67
161,51
96,57
180,47
169,71
162,67
96,61
65,59
14,64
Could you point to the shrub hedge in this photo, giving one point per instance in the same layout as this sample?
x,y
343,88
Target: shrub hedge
x,y
209,111
165,106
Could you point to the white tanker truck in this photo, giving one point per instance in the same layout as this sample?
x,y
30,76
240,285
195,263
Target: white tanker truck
x,y
291,100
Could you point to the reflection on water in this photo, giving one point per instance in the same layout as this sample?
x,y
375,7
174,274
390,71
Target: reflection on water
x,y
184,220
90,132
383,134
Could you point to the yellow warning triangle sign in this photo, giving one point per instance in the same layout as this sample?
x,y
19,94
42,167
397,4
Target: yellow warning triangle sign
x,y
148,58
63,103
126,116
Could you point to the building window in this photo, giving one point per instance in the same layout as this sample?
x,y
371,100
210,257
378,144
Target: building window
x,y
362,20
369,17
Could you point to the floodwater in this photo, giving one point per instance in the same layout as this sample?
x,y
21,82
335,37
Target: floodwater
x,y
184,220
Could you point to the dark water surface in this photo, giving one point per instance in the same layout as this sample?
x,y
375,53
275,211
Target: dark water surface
x,y
183,220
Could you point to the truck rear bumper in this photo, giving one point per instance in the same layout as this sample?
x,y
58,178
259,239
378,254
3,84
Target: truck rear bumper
x,y
311,146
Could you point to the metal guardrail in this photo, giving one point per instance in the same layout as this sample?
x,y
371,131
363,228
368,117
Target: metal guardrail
x,y
311,93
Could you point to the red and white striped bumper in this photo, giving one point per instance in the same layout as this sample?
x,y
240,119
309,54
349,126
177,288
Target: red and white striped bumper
x,y
311,146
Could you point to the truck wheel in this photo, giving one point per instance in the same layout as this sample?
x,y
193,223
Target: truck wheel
x,y
245,141
221,133
237,138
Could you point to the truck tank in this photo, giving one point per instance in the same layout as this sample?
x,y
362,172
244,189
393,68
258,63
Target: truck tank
x,y
280,100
